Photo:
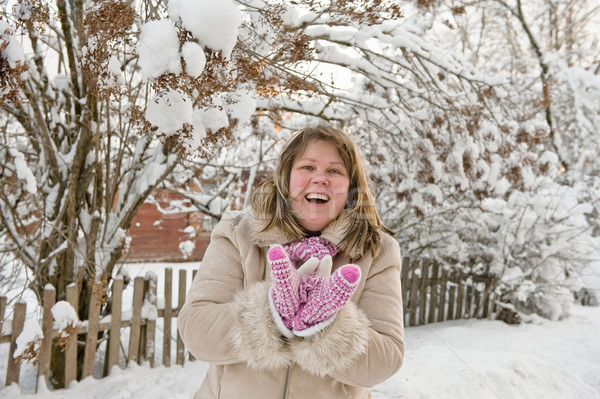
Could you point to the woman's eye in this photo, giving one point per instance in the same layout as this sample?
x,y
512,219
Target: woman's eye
x,y
336,171
307,167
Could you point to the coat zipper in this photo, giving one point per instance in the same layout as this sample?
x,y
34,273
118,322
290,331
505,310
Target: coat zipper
x,y
286,387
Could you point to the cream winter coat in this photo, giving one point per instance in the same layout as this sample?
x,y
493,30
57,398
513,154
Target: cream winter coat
x,y
226,321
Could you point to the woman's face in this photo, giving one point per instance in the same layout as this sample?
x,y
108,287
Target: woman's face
x,y
319,185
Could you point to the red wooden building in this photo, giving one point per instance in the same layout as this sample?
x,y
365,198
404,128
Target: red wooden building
x,y
156,236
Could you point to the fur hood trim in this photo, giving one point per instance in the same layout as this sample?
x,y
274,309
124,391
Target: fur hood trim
x,y
334,232
254,335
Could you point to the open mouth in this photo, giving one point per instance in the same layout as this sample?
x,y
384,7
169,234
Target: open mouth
x,y
317,198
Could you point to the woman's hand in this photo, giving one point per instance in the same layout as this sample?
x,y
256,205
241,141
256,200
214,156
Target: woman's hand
x,y
325,295
285,283
308,298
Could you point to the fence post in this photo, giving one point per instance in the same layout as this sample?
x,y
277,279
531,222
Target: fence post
x,y
92,333
167,317
71,345
136,320
180,301
114,336
13,368
46,344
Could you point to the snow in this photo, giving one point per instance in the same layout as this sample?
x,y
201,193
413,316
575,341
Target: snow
x,y
540,221
13,52
64,315
158,49
30,335
243,106
213,118
214,23
170,111
23,171
187,248
458,359
195,59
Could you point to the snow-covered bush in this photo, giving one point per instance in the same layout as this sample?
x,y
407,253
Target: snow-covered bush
x,y
465,154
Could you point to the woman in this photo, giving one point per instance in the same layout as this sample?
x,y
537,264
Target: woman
x,y
264,308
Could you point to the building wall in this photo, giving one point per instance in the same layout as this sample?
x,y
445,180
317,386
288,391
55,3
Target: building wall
x,y
156,237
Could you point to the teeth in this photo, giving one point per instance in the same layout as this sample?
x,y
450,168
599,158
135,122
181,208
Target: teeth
x,y
316,196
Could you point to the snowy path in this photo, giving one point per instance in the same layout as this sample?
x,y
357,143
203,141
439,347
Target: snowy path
x,y
461,359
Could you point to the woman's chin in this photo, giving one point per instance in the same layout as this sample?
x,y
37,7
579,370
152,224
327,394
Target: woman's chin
x,y
314,224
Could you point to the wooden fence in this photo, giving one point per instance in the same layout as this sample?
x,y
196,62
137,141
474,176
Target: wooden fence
x,y
140,320
430,294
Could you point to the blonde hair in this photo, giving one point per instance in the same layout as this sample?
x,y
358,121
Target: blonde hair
x,y
271,198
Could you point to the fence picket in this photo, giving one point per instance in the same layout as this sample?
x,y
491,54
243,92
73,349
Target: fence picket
x,y
142,341
3,301
114,334
151,323
180,300
414,293
492,303
71,344
167,317
13,369
136,320
45,353
423,295
441,313
91,338
435,282
469,301
459,300
478,302
451,295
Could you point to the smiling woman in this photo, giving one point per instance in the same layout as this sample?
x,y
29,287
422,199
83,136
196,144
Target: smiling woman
x,y
300,294
319,185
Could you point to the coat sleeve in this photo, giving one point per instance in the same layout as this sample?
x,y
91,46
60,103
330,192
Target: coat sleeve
x,y
222,322
365,344
206,314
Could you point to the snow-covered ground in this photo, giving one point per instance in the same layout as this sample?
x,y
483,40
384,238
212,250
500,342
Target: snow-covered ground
x,y
459,359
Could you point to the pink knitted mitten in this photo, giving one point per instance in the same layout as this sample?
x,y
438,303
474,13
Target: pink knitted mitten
x,y
326,295
310,247
285,283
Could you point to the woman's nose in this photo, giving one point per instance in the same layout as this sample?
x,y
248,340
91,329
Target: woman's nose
x,y
320,178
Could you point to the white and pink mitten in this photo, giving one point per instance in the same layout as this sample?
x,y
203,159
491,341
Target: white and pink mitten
x,y
284,292
325,296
